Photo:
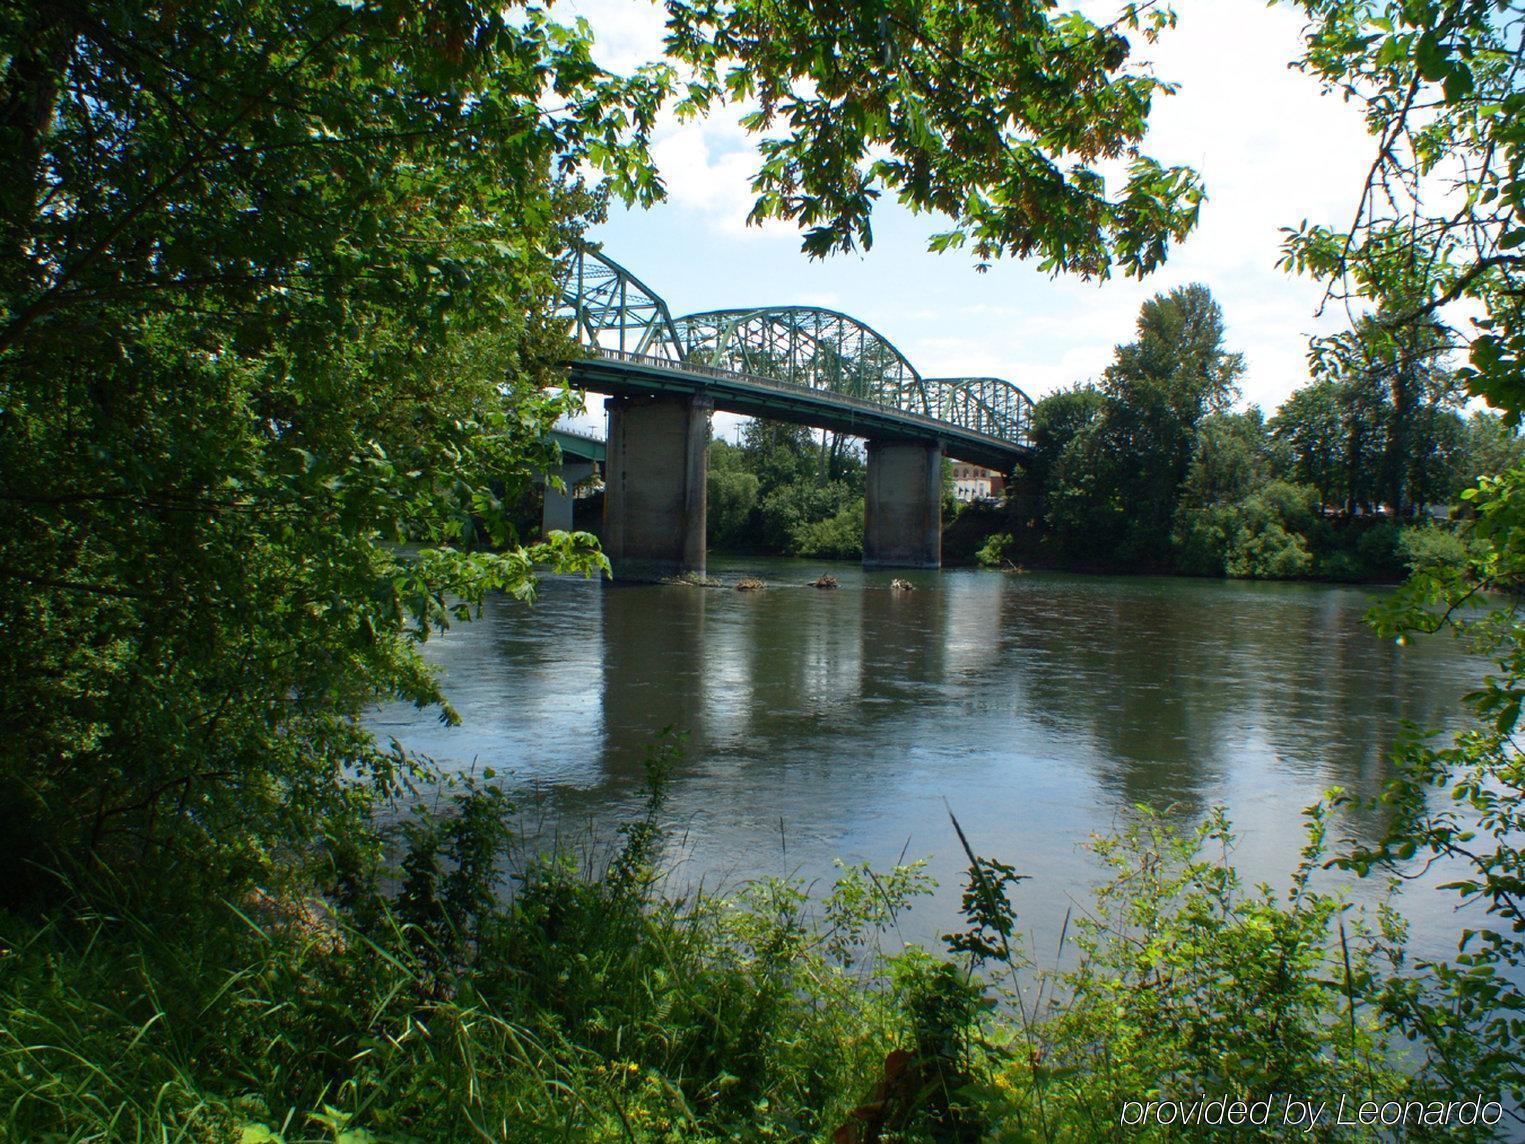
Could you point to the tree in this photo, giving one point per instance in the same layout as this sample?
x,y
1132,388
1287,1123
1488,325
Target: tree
x,y
1310,426
780,491
274,282
1230,459
1084,513
779,452
836,537
997,116
1369,434
1115,487
1057,419
1233,518
1159,388
1420,389
1440,220
1397,398
1439,82
1491,447
1336,433
731,493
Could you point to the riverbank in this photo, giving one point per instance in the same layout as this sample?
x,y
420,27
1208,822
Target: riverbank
x,y
1370,550
590,1006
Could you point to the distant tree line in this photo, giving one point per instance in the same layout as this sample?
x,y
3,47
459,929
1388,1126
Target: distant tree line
x,y
1149,469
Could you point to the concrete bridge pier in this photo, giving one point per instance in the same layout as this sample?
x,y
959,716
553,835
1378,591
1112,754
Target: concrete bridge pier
x,y
558,504
654,485
902,510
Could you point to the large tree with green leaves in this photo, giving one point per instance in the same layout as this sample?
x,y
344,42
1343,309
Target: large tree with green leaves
x,y
1396,395
1310,426
273,281
1115,487
276,285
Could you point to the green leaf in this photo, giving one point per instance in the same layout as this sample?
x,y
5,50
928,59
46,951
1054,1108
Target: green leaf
x,y
1458,83
1430,57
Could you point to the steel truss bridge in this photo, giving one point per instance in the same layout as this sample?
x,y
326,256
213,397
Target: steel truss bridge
x,y
791,363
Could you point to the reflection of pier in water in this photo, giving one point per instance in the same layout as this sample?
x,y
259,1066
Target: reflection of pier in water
x,y
752,676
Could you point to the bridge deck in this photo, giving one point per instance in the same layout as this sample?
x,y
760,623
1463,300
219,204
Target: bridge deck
x,y
581,445
617,373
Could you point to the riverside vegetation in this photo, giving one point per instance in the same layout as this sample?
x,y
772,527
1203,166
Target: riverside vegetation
x,y
276,285
589,1005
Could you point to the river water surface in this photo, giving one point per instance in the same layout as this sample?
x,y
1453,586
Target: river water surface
x,y
1038,708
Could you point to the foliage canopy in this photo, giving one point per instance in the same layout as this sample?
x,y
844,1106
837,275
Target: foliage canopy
x,y
1440,222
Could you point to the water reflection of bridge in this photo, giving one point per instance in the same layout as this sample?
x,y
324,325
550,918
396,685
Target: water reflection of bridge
x,y
1042,707
1116,683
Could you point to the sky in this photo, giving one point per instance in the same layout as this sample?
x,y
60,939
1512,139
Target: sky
x,y
1271,148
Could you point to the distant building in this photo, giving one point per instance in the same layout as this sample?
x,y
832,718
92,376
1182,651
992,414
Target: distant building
x,y
972,483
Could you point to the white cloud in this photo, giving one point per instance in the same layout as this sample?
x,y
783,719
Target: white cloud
x,y
708,165
626,34
707,168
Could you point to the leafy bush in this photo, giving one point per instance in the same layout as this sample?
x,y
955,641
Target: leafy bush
x,y
1191,984
1431,546
1259,537
1264,550
732,496
1377,550
585,1006
996,551
838,537
1339,566
591,1007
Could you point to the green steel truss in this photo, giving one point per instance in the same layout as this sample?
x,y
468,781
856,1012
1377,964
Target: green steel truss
x,y
989,405
808,347
615,310
800,346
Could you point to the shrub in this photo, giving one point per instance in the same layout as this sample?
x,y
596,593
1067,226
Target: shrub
x,y
1431,546
1192,985
1264,550
732,495
1262,536
1340,566
996,551
838,537
591,1007
1377,550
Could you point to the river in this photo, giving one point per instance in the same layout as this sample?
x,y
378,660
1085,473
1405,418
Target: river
x,y
1039,708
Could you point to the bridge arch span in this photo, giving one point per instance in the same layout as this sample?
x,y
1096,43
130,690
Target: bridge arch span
x,y
989,405
809,364
810,347
613,309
